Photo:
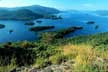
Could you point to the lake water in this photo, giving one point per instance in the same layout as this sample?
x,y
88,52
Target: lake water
x,y
21,32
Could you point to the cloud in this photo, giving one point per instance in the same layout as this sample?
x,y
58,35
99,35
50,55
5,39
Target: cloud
x,y
87,5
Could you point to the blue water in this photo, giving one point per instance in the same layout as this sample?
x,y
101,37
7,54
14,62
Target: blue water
x,y
21,32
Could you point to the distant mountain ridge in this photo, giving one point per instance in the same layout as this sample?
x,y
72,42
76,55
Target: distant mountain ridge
x,y
101,12
40,9
26,13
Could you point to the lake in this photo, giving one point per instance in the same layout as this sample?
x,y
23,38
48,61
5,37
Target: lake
x,y
21,32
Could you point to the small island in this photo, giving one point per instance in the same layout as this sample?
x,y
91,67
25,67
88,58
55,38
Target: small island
x,y
66,31
58,34
40,28
90,22
56,17
39,21
2,26
96,27
10,31
53,17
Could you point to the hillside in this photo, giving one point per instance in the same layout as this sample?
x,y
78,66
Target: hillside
x,y
83,53
22,14
101,12
26,13
40,9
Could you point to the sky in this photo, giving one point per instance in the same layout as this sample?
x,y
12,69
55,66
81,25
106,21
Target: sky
x,y
59,4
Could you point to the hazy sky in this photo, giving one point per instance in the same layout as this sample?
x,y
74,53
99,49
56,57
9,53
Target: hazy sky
x,y
59,4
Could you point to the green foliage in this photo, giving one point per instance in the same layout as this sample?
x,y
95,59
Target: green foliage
x,y
27,44
22,56
46,52
58,58
8,67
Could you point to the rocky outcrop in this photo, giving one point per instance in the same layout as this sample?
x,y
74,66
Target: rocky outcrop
x,y
64,67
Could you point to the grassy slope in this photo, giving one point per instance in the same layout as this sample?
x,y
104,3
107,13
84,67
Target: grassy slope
x,y
82,54
89,53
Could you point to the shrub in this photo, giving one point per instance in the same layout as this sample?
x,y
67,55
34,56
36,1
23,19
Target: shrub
x,y
58,59
27,44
